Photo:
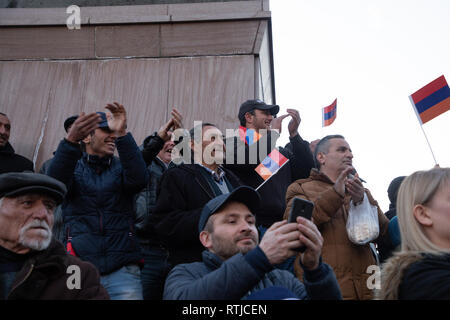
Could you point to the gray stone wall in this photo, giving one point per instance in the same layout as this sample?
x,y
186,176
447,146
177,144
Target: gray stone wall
x,y
92,3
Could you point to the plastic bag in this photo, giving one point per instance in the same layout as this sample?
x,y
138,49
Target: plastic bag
x,y
362,222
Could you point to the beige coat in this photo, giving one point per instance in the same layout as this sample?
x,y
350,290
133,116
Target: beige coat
x,y
349,261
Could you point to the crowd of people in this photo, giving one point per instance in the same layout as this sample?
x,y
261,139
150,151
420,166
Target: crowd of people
x,y
188,216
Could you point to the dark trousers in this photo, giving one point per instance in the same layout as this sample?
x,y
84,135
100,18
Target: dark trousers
x,y
154,272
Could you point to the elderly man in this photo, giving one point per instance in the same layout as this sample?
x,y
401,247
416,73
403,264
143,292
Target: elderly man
x,y
186,188
9,160
332,188
32,264
98,212
234,264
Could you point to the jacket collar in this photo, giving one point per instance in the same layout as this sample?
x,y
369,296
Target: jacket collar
x,y
211,260
317,175
97,162
46,264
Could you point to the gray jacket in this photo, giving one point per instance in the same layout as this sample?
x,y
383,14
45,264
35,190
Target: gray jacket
x,y
241,275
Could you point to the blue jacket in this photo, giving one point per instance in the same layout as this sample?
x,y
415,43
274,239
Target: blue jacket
x,y
242,275
98,211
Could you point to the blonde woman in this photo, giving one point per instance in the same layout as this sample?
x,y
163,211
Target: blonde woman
x,y
421,270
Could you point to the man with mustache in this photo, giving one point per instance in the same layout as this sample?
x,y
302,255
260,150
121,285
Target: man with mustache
x,y
9,160
98,212
32,264
235,265
331,187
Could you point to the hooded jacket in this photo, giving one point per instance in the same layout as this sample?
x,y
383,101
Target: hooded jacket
x,y
348,260
45,276
12,162
415,276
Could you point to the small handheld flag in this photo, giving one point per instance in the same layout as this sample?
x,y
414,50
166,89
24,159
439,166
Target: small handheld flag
x,y
329,114
249,136
270,165
69,248
432,100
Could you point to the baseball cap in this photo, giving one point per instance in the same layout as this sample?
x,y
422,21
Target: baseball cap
x,y
243,194
104,121
68,122
250,105
14,184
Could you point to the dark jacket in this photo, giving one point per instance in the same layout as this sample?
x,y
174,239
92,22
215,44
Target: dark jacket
x,y
58,223
146,199
241,275
98,211
12,162
182,194
45,277
272,192
416,276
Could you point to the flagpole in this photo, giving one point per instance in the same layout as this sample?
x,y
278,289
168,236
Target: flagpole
x,y
421,127
272,175
428,144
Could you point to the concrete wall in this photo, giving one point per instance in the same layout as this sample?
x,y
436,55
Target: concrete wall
x,y
93,3
195,57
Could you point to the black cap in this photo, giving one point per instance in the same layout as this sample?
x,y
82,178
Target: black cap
x,y
393,189
250,105
14,184
68,122
243,194
104,121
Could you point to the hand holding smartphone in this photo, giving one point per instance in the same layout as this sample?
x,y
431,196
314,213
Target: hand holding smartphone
x,y
303,208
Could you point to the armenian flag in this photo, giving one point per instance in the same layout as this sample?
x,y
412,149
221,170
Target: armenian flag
x,y
329,114
432,100
271,164
249,136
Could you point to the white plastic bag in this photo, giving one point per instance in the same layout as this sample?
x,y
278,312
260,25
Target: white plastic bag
x,y
362,222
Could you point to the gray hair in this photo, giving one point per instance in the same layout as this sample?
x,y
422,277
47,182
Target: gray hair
x,y
323,146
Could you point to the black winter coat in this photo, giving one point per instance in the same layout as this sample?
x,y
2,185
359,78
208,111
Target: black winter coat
x,y
12,162
182,194
273,192
427,279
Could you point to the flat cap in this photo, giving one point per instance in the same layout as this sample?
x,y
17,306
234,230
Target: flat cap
x,y
14,184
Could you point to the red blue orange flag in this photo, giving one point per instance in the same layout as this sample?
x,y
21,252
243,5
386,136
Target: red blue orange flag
x,y
432,100
329,114
271,164
249,136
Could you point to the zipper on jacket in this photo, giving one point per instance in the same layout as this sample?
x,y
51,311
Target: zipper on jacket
x,y
21,282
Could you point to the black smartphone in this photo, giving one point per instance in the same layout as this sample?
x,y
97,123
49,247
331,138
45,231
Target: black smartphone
x,y
303,208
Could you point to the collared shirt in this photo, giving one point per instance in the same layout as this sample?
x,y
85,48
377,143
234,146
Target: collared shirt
x,y
218,178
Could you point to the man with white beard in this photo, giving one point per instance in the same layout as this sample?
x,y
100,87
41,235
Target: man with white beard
x,y
33,265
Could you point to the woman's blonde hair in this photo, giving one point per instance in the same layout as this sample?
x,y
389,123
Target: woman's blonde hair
x,y
418,188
